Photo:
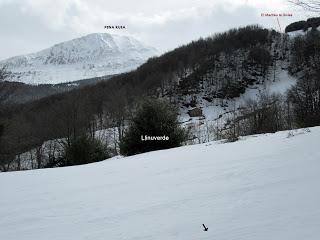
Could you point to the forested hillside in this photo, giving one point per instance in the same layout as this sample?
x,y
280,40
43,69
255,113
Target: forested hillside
x,y
211,73
18,92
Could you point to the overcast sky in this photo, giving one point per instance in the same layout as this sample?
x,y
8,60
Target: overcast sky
x,y
32,25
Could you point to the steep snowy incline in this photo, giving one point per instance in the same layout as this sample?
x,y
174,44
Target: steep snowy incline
x,y
94,55
260,188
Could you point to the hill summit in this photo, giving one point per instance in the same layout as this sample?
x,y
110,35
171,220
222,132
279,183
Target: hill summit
x,y
93,55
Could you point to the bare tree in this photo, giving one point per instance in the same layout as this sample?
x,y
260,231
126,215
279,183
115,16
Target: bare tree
x,y
116,112
4,73
3,162
4,92
309,5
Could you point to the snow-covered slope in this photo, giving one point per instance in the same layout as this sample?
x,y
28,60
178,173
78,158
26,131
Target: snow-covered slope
x,y
259,188
297,33
211,110
90,56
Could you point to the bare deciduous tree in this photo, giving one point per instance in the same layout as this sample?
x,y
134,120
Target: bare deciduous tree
x,y
309,5
4,74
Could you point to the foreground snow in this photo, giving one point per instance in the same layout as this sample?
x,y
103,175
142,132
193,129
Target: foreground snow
x,y
261,187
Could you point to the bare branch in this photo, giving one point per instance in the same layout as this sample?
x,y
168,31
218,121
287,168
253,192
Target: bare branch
x,y
308,5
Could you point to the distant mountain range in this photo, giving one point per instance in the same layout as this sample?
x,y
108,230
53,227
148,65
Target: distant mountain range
x,y
93,55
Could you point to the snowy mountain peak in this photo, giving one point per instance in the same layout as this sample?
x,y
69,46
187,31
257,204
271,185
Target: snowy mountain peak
x,y
93,55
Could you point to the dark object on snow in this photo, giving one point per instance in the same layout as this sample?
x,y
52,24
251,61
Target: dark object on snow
x,y
205,228
195,112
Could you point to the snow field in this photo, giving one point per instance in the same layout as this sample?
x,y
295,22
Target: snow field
x,y
261,187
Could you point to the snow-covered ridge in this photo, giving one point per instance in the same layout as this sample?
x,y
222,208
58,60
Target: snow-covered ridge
x,y
259,188
90,56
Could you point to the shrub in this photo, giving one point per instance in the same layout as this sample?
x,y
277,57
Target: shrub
x,y
153,118
84,150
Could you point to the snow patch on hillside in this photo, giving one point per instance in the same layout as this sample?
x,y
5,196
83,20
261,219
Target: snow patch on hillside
x,y
212,110
297,33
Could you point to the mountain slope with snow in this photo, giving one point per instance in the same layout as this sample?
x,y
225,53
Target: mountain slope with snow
x,y
259,188
94,55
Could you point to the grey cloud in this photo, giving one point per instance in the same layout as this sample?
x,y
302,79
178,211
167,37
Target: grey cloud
x,y
27,26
